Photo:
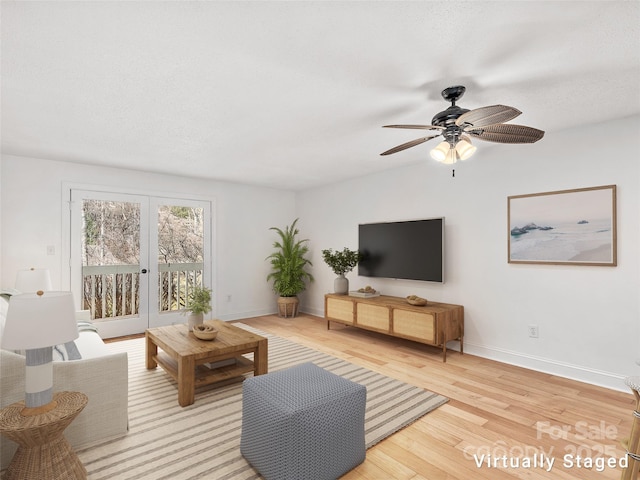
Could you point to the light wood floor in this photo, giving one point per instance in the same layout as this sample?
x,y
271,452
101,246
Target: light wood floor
x,y
494,409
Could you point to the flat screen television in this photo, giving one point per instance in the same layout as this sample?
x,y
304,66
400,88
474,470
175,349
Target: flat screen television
x,y
411,250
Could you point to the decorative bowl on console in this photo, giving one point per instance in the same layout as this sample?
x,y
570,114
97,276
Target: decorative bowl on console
x,y
415,300
205,332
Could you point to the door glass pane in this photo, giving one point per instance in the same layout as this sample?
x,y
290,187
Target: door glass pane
x,y
110,258
180,254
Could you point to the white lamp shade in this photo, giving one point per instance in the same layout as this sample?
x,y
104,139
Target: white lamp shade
x,y
32,280
451,158
440,152
465,149
37,321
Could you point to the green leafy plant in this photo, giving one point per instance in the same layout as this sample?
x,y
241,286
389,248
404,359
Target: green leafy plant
x,y
199,300
288,262
341,262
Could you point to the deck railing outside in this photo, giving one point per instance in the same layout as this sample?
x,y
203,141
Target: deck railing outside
x,y
113,290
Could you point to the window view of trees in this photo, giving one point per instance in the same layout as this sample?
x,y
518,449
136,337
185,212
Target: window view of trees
x,y
180,234
180,254
111,256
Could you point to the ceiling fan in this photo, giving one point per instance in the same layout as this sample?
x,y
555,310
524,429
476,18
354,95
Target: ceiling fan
x,y
459,125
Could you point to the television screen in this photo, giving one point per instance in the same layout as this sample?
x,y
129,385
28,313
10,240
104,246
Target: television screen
x,y
412,250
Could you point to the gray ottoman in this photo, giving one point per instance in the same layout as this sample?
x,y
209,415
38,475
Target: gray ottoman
x,y
303,423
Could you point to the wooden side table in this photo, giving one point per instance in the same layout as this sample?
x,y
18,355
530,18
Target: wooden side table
x,y
633,445
43,452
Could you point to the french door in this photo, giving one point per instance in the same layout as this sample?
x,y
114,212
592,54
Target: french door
x,y
135,258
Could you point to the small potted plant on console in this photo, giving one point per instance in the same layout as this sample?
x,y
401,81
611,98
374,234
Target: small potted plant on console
x,y
341,262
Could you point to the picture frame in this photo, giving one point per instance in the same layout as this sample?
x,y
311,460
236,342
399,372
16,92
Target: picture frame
x,y
564,227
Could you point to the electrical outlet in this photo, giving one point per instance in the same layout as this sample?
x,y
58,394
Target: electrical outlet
x,y
533,331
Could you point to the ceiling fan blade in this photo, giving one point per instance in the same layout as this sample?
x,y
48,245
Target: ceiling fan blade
x,y
491,115
410,144
420,127
506,133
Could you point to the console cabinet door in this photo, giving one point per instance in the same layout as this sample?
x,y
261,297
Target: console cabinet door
x,y
338,309
373,317
421,326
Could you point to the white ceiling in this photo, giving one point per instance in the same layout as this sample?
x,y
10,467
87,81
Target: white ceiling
x,y
294,94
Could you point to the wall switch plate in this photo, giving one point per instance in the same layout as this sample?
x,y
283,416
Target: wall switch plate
x,y
51,249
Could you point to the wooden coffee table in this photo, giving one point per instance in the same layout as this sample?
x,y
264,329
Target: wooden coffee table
x,y
184,356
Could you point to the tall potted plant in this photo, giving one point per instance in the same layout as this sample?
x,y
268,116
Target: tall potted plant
x,y
288,265
198,303
341,262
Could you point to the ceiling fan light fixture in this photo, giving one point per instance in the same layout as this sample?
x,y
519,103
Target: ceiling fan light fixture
x,y
441,152
465,149
455,124
452,157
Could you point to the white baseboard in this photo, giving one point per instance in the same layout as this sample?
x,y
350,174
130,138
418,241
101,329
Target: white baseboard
x,y
265,311
312,311
552,367
248,314
562,369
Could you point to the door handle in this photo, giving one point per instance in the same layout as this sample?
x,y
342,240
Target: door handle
x,y
144,270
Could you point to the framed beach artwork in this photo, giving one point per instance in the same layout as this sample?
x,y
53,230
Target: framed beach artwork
x,y
567,227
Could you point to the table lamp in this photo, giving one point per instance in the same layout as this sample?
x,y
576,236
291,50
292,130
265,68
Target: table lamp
x,y
33,279
35,323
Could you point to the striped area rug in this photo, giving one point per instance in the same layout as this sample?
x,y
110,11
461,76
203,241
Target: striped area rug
x,y
202,441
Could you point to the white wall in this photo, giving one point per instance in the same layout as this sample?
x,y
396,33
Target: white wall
x,y
587,316
32,219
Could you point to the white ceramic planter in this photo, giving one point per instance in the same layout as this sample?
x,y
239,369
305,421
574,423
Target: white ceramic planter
x,y
194,319
341,285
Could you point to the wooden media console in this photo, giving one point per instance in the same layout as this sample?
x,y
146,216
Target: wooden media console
x,y
432,324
